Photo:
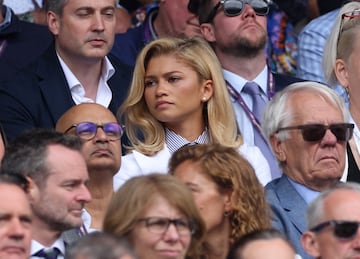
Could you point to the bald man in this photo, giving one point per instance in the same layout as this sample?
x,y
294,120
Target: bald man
x,y
100,133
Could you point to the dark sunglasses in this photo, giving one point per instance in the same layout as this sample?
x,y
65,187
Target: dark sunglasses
x,y
342,229
88,130
235,7
316,132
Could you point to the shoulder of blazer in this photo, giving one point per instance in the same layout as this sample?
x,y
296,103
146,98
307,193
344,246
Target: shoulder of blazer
x,y
282,81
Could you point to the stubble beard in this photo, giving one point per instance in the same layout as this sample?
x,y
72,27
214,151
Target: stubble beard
x,y
244,48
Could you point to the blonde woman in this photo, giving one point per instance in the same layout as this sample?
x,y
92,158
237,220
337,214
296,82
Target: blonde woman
x,y
178,97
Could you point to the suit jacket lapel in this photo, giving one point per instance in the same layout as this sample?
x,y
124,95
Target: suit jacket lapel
x,y
53,85
293,203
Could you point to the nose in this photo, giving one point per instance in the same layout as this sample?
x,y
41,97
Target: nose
x,y
329,138
16,229
171,234
98,22
100,135
84,194
161,88
248,11
356,241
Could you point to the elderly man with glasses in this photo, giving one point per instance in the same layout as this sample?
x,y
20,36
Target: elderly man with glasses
x,y
100,133
333,220
237,31
307,127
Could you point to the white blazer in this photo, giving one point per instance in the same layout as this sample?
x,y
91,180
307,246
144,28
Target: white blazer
x,y
136,163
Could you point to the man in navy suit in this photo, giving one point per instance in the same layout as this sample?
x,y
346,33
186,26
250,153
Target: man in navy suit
x,y
308,127
237,31
75,68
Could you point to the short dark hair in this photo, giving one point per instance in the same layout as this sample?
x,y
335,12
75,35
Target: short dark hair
x,y
26,155
14,179
265,234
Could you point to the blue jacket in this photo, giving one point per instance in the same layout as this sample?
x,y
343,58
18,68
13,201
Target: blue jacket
x,y
289,211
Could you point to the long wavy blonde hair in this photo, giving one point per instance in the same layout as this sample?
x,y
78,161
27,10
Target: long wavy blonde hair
x,y
144,131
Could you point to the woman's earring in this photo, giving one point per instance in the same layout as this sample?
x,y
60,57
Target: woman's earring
x,y
204,99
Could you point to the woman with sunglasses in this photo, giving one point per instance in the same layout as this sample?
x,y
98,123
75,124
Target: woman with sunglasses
x,y
341,66
178,97
157,215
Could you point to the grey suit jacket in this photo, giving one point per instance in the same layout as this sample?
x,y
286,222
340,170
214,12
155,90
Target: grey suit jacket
x,y
70,236
289,211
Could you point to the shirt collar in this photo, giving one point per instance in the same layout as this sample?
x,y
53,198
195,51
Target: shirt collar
x,y
239,82
306,193
59,244
175,141
7,17
107,71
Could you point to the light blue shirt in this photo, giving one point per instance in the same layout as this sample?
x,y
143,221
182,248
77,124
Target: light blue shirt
x,y
306,193
175,141
237,82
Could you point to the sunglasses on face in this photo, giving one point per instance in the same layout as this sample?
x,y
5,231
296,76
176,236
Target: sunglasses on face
x,y
88,130
235,7
342,229
316,132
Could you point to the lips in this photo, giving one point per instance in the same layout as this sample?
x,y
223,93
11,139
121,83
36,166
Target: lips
x,y
103,151
13,249
162,104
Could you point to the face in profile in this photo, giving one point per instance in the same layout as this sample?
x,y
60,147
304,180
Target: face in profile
x,y
210,202
15,218
153,237
60,202
271,249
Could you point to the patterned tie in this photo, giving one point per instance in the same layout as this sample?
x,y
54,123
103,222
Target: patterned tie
x,y
51,253
259,104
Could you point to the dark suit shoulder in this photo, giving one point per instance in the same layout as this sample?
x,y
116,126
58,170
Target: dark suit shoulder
x,y
282,81
128,45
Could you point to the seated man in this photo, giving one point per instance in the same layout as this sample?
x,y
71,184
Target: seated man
x,y
73,70
333,220
100,133
307,127
57,175
16,217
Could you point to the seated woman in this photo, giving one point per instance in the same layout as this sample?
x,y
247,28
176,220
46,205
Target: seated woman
x,y
178,96
227,193
341,67
157,215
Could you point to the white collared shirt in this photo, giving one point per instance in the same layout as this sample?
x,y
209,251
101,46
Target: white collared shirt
x,y
103,95
36,246
237,82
